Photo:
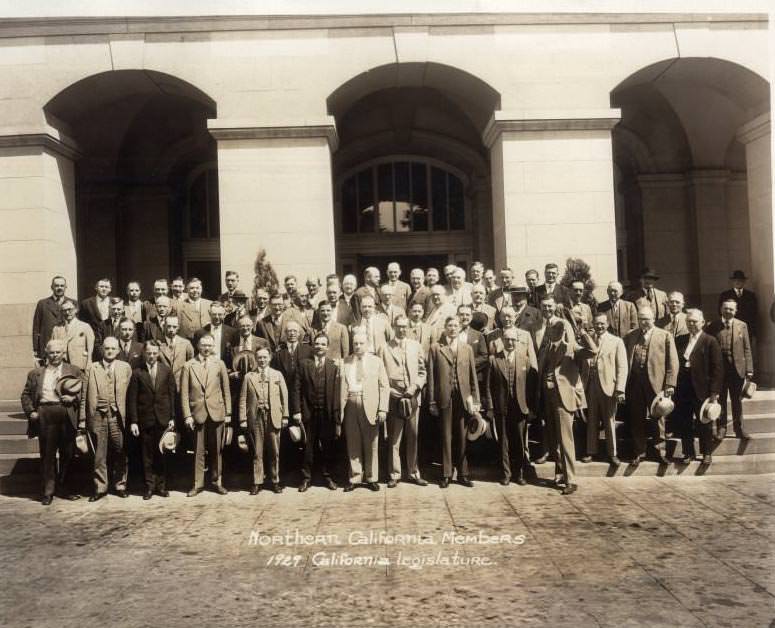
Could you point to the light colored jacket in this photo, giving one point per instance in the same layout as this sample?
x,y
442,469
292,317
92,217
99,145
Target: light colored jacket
x,y
278,398
376,389
97,387
79,342
204,390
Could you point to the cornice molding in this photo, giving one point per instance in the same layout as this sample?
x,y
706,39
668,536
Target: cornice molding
x,y
559,120
753,130
42,140
240,130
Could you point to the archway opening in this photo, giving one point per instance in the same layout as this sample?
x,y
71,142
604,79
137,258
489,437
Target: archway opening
x,y
146,180
411,175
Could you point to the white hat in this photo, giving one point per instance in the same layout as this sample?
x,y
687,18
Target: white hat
x,y
476,427
710,411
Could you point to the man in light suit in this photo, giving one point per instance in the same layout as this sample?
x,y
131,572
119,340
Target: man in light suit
x,y
342,313
316,397
151,410
194,312
419,291
53,418
525,316
453,394
561,393
96,309
479,304
674,322
605,380
404,362
439,312
338,335
263,413
509,377
747,304
206,407
77,336
174,350
419,331
458,291
364,400
401,290
581,312
48,315
700,377
737,358
103,413
653,368
649,295
501,297
622,315
377,329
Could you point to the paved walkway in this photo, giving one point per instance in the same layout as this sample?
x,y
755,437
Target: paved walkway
x,y
635,551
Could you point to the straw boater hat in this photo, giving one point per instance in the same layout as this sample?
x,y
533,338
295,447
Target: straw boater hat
x,y
169,440
69,385
749,388
476,427
661,406
710,411
296,432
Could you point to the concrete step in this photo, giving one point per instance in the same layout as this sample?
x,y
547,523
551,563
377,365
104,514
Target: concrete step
x,y
759,443
13,423
18,444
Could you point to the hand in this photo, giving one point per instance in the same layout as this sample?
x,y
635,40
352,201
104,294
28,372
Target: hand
x,y
82,425
338,430
713,398
67,398
134,429
749,375
285,421
433,408
669,391
381,416
34,416
234,375
619,397
411,391
190,423
297,417
243,425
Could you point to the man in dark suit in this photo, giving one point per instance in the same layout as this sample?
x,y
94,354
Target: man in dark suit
x,y
649,294
508,379
342,312
418,330
111,325
551,287
370,287
674,322
270,327
419,291
153,327
96,309
315,394
475,340
53,417
700,377
134,308
531,281
223,335
501,297
291,353
338,335
737,359
747,306
47,316
622,315
130,350
244,341
453,394
150,406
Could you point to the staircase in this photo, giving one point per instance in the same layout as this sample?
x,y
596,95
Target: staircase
x,y
20,465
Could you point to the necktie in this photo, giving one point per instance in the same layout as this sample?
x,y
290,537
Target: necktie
x,y
359,373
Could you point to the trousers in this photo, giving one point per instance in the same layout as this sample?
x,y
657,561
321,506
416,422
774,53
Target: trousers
x,y
108,438
362,440
407,429
208,436
56,433
266,438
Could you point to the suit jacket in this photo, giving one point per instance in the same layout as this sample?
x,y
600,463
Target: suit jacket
x,y
89,312
582,311
256,343
150,308
269,331
675,327
382,331
338,339
624,320
404,368
96,385
436,318
391,313
747,307
440,365
402,292
228,336
490,312
149,403
304,394
47,316
497,299
107,328
476,340
190,320
422,333
135,354
611,363
79,342
343,313
286,365
662,361
355,301
422,296
705,366
33,390
528,318
639,298
742,358
176,356
562,358
462,297
204,390
278,399
139,317
152,329
497,384
558,292
376,388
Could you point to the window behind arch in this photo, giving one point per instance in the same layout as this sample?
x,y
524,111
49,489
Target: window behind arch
x,y
402,196
203,205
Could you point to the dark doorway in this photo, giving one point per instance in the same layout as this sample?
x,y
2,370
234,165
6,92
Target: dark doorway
x,y
210,274
407,262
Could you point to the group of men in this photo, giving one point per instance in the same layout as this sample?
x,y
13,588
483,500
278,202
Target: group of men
x,y
311,366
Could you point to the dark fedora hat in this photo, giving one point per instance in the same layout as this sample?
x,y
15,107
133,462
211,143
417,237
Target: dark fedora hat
x,y
519,290
649,273
738,274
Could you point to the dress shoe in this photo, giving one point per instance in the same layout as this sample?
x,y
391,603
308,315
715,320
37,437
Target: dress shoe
x,y
464,481
570,489
349,487
541,459
372,486
97,496
420,481
163,492
505,481
687,459
615,461
220,489
331,485
636,461
742,435
255,489
707,460
721,435
662,459
521,480
392,483
444,483
586,459
148,494
303,486
122,493
276,488
47,499
71,497
194,492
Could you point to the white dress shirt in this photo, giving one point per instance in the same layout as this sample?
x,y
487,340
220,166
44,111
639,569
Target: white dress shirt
x,y
50,377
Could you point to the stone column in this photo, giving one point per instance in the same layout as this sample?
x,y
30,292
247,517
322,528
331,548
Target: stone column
x,y
552,187
37,240
756,135
275,193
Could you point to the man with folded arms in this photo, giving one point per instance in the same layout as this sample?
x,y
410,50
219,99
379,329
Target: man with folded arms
x,y
364,399
103,413
151,409
206,407
263,413
405,366
56,418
